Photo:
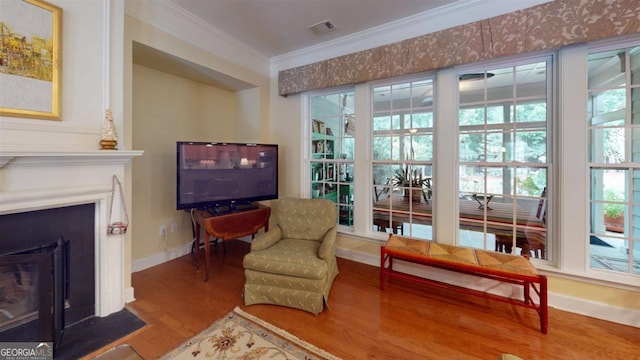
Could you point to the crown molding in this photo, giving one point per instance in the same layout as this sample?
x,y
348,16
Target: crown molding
x,y
171,18
459,13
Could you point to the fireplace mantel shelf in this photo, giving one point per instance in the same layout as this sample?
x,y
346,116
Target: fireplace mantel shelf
x,y
40,158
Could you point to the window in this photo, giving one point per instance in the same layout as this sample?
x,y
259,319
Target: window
x,y
332,150
504,164
614,159
402,157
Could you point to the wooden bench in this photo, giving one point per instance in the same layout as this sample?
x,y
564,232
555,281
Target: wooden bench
x,y
487,264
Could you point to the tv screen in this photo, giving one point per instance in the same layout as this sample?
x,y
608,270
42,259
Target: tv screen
x,y
212,175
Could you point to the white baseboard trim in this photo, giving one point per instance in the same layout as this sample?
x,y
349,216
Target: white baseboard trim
x,y
595,309
159,258
358,256
128,295
562,302
167,255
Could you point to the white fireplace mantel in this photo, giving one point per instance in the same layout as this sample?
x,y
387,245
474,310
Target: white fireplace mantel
x,y
36,179
57,158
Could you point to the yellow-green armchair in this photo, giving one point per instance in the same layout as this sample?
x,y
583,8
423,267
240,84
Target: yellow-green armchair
x,y
294,263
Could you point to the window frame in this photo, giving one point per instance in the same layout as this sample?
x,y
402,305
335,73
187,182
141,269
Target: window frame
x,y
342,205
406,216
628,166
509,107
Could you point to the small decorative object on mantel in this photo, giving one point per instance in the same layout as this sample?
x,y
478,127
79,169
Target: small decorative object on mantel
x,y
117,227
109,136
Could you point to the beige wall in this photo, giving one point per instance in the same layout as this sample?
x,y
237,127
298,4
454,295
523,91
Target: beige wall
x,y
593,292
166,108
286,130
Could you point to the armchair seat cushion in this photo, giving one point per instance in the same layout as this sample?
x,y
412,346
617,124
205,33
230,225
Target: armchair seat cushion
x,y
290,257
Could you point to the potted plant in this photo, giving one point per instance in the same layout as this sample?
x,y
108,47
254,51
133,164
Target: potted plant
x,y
613,212
315,190
411,181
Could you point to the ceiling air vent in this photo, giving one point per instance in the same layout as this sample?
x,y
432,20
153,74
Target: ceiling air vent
x,y
322,27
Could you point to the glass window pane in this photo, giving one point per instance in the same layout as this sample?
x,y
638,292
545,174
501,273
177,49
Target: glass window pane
x,y
471,179
604,68
531,181
634,59
382,174
348,148
496,178
495,151
471,88
472,146
608,243
635,114
382,146
381,123
400,95
607,145
608,107
422,120
381,98
635,145
423,147
531,80
608,200
533,112
498,114
530,146
500,86
608,185
421,93
473,116
636,257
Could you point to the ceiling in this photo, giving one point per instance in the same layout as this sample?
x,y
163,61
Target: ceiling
x,y
276,27
155,59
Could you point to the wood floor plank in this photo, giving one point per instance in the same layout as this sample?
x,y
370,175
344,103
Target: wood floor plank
x,y
405,321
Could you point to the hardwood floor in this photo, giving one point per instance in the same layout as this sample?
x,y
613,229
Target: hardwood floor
x,y
363,322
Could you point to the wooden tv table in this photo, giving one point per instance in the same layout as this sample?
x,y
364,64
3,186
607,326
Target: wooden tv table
x,y
227,226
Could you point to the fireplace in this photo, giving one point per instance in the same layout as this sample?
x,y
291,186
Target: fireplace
x,y
33,293
34,180
39,273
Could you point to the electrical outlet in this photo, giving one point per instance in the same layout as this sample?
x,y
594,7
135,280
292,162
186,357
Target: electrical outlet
x,y
174,227
163,230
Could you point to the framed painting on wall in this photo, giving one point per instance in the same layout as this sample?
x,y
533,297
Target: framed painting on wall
x,y
30,61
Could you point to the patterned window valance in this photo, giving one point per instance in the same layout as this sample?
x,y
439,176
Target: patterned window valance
x,y
547,26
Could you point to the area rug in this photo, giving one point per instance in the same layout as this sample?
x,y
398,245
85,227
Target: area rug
x,y
239,335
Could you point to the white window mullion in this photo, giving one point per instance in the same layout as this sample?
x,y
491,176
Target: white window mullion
x,y
445,174
363,198
573,190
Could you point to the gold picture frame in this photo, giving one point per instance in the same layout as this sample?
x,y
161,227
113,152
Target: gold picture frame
x,y
30,59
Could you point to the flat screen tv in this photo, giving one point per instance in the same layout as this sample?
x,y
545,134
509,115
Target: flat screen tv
x,y
225,176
